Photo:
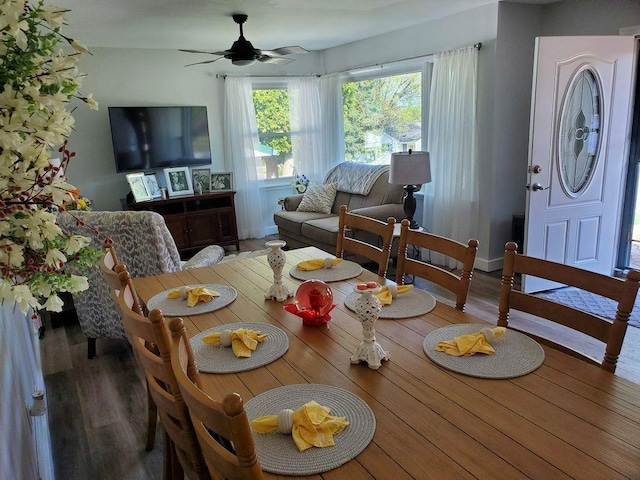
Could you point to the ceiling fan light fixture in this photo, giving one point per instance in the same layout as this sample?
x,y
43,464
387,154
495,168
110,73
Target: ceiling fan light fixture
x,y
242,62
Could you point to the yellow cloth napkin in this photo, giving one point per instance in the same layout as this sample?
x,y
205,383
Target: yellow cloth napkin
x,y
389,292
194,295
479,342
318,263
310,425
242,340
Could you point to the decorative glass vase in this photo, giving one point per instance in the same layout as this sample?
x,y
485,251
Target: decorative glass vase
x,y
276,258
368,307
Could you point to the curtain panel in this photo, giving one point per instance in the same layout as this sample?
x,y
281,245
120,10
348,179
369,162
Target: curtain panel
x,y
452,146
241,141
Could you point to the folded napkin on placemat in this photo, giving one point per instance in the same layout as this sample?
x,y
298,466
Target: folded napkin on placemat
x,y
242,340
389,292
318,263
310,425
479,342
194,295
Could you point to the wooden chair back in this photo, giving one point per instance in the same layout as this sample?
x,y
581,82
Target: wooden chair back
x,y
609,332
107,264
351,222
150,340
222,428
457,283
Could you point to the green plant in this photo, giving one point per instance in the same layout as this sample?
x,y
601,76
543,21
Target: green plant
x,y
39,82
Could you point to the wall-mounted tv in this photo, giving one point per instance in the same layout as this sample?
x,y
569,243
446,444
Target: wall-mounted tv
x,y
147,138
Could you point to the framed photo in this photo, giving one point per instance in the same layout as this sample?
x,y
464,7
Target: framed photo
x,y
201,179
178,181
221,181
138,185
152,185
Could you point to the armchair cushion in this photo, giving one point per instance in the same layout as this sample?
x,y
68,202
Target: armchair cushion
x,y
207,256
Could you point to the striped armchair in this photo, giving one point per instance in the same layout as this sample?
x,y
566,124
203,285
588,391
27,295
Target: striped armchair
x,y
143,243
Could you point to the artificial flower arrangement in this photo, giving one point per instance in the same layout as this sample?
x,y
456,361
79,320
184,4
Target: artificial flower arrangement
x,y
77,202
300,183
38,80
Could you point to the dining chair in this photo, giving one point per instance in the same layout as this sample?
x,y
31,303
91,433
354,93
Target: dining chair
x,y
349,222
107,264
465,255
609,333
222,428
150,340
111,268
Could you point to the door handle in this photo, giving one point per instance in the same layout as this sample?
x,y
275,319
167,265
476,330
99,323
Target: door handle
x,y
535,187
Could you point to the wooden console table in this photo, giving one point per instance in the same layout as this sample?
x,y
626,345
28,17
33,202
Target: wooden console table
x,y
196,221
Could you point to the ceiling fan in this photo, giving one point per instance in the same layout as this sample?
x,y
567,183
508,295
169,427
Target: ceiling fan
x,y
243,53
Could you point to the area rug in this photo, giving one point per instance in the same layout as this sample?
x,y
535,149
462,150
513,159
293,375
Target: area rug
x,y
241,255
590,302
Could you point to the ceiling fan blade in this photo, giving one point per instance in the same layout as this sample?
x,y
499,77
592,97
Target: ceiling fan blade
x,y
206,61
225,52
278,60
294,49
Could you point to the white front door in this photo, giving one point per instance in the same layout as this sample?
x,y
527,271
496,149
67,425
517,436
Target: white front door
x,y
578,152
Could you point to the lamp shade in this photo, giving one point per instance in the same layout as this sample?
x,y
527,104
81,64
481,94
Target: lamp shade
x,y
410,168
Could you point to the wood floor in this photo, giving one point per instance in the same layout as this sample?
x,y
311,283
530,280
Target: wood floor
x,y
97,408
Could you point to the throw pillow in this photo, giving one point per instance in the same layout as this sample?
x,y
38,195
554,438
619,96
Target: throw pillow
x,y
319,198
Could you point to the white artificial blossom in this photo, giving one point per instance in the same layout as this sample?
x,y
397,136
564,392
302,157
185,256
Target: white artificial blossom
x,y
38,81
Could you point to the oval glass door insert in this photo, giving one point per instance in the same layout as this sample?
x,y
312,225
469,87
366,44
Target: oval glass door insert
x,y
579,139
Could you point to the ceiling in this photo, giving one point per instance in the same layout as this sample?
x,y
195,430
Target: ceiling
x,y
207,24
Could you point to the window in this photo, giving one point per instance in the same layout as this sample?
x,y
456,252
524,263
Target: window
x,y
382,115
274,132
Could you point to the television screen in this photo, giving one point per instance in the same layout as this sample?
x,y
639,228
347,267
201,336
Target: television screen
x,y
146,138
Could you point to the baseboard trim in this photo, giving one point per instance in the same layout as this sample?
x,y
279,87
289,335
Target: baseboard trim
x,y
485,265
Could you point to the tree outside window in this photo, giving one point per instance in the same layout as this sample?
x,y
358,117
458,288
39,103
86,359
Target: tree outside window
x,y
274,132
381,116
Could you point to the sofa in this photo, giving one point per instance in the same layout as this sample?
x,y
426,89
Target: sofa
x,y
363,188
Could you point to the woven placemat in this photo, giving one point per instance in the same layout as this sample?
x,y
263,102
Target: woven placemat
x,y
175,307
414,303
278,453
516,354
212,359
342,271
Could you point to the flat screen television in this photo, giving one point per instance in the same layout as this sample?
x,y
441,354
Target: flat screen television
x,y
147,138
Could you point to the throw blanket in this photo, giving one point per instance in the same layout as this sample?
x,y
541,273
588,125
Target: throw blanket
x,y
354,177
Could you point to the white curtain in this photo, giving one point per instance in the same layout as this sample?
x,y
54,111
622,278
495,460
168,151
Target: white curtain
x,y
305,117
452,145
241,142
315,111
332,120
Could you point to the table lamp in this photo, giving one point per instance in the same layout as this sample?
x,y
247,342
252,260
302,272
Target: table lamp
x,y
410,169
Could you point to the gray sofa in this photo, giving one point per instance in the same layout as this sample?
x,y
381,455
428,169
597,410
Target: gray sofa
x,y
364,189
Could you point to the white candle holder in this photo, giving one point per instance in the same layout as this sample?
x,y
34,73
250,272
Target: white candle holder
x,y
368,309
276,258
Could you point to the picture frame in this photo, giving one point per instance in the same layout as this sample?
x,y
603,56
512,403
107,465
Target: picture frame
x,y
152,185
201,176
221,181
178,181
138,185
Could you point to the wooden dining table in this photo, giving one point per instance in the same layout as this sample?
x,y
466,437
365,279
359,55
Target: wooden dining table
x,y
566,419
